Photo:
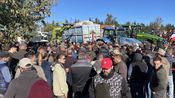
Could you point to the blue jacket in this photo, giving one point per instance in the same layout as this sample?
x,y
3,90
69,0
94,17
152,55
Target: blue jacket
x,y
5,77
46,66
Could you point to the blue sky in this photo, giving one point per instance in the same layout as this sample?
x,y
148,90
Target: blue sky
x,y
143,11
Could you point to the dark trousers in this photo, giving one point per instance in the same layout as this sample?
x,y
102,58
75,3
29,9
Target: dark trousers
x,y
70,92
81,95
137,90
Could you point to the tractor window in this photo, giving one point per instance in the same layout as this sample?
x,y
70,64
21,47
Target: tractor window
x,y
122,33
108,33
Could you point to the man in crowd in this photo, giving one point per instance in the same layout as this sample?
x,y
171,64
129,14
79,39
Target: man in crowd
x,y
137,76
109,84
17,56
159,80
28,84
120,66
169,55
60,87
70,60
165,63
5,76
39,70
81,73
12,49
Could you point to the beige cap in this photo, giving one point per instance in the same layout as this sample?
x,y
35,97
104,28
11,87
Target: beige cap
x,y
116,52
161,52
25,63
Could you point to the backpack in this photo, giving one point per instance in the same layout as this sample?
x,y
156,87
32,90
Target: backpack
x,y
40,89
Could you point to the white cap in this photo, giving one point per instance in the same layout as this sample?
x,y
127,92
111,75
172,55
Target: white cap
x,y
25,63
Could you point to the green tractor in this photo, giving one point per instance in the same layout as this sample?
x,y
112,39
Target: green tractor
x,y
134,32
153,39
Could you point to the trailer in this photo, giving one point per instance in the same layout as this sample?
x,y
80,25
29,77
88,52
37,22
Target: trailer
x,y
84,31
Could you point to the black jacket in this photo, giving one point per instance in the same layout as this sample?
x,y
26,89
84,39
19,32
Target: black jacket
x,y
81,73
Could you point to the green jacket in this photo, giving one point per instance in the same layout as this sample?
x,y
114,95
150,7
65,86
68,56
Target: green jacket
x,y
159,80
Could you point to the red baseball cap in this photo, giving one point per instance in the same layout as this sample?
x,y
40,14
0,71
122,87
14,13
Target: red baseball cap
x,y
106,63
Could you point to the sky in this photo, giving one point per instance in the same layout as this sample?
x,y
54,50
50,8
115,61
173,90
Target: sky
x,y
140,11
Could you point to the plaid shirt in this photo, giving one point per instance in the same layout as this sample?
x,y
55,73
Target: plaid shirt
x,y
115,84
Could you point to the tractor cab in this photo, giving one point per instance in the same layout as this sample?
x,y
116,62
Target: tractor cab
x,y
110,33
120,36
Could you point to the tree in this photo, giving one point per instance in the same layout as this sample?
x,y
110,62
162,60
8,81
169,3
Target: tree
x,y
90,19
66,21
156,25
144,28
53,22
58,32
76,21
169,27
101,22
48,27
110,20
57,24
128,23
20,17
97,21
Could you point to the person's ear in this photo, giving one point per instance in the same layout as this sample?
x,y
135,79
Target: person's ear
x,y
59,59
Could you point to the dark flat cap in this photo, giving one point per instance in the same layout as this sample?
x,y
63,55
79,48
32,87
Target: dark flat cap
x,y
4,53
13,46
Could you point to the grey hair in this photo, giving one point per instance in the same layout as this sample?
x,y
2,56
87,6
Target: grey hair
x,y
81,56
69,51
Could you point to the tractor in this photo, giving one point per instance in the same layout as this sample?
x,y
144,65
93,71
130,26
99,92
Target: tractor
x,y
117,35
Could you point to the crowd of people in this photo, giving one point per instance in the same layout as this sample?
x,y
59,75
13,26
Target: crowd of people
x,y
87,70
